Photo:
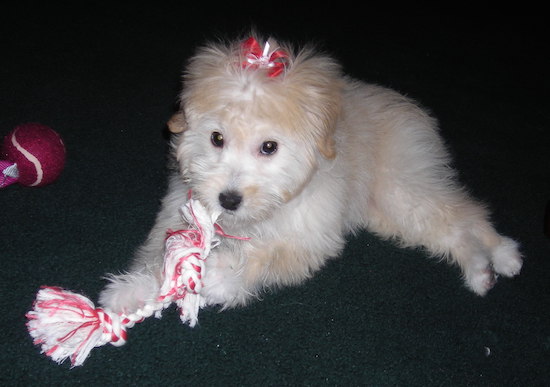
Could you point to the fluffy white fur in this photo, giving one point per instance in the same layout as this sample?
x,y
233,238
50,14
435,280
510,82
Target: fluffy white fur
x,y
349,156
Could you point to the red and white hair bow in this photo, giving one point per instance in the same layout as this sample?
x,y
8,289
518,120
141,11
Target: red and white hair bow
x,y
256,57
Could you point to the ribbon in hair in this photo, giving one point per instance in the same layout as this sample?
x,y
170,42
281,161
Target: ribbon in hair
x,y
257,57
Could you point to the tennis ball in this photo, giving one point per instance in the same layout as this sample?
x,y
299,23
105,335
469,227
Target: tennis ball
x,y
32,155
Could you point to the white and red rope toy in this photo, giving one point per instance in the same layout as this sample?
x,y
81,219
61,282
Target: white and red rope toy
x,y
68,325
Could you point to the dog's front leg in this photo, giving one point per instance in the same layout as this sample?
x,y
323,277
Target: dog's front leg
x,y
127,293
240,271
139,286
132,290
223,283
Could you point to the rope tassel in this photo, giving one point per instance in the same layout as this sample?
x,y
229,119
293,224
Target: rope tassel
x,y
68,325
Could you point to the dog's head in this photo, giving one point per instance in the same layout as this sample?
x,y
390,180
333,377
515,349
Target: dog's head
x,y
255,120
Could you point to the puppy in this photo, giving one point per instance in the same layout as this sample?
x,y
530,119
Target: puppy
x,y
295,156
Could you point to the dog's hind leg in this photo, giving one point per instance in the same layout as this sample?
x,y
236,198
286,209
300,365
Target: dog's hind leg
x,y
452,226
414,197
465,235
443,219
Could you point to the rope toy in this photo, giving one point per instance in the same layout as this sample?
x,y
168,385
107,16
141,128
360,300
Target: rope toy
x,y
68,325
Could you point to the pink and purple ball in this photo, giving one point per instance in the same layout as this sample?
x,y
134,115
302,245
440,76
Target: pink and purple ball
x,y
38,151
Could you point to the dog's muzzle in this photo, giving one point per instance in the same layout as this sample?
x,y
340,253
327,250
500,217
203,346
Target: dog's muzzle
x,y
230,200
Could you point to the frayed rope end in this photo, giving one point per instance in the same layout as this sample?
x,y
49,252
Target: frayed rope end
x,y
66,325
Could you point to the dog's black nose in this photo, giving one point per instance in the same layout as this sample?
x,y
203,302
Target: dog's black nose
x,y
230,200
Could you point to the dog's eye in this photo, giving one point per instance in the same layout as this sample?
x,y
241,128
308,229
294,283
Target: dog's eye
x,y
217,139
268,148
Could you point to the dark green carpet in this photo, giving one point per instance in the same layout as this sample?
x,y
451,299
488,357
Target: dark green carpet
x,y
108,81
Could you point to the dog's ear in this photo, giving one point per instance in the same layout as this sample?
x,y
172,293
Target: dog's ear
x,y
327,148
315,85
177,123
328,115
326,111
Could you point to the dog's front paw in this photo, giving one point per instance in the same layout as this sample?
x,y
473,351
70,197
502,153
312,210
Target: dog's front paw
x,y
223,284
506,258
127,293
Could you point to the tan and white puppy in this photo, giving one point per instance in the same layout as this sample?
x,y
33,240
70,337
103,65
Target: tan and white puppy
x,y
296,155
